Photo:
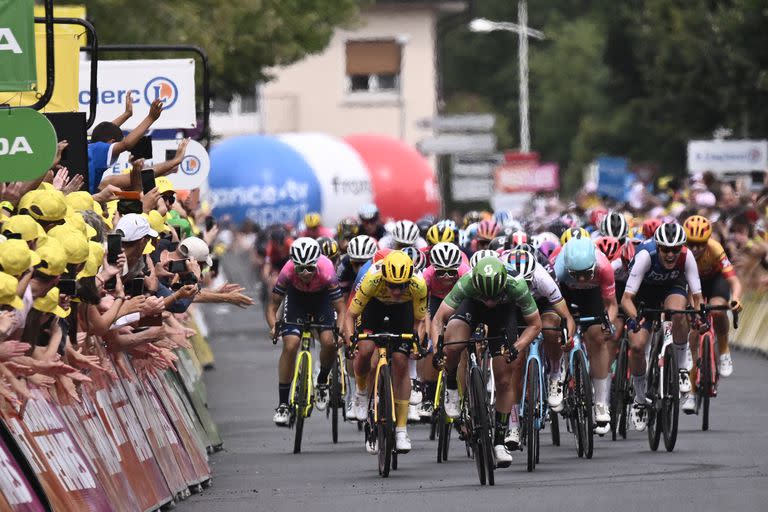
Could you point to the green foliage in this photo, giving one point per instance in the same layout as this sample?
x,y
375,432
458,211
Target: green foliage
x,y
242,38
637,78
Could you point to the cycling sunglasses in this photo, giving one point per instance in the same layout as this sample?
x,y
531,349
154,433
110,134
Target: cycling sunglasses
x,y
582,274
400,286
446,272
672,250
305,269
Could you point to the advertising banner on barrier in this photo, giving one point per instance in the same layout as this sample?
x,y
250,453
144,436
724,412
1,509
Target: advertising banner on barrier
x,y
170,80
16,493
17,45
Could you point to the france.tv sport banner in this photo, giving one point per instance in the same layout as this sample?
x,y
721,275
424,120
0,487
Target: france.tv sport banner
x,y
171,80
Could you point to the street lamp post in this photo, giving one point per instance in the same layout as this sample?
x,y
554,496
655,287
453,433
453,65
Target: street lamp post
x,y
524,32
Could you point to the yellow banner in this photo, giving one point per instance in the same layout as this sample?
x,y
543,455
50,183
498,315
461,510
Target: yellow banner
x,y
67,42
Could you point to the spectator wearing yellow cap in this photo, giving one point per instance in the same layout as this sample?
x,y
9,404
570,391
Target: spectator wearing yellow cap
x,y
47,207
75,246
23,227
16,258
80,201
49,303
9,300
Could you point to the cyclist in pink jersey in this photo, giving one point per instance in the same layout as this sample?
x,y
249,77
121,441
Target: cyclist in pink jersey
x,y
447,266
309,285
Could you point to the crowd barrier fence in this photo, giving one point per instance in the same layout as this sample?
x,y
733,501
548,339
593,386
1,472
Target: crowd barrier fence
x,y
135,439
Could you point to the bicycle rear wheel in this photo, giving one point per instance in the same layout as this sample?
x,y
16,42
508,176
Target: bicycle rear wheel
x,y
300,399
532,408
670,405
652,392
481,429
704,390
585,423
620,392
385,422
335,399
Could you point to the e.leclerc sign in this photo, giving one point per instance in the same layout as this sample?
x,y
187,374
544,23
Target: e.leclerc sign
x,y
27,144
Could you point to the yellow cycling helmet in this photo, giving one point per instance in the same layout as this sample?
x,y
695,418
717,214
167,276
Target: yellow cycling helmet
x,y
698,229
440,233
312,220
397,268
573,233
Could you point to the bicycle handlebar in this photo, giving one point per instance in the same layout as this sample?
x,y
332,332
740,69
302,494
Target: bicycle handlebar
x,y
723,307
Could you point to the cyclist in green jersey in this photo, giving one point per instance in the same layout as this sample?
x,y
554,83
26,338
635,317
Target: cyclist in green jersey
x,y
488,296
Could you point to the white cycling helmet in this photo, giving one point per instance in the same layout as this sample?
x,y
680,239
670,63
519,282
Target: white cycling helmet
x,y
484,253
518,237
361,248
305,251
520,264
614,224
368,211
670,234
419,258
405,232
444,255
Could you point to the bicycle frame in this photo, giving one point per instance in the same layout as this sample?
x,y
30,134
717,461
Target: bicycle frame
x,y
383,361
534,352
304,353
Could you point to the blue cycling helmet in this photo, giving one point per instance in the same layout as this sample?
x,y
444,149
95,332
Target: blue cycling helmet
x,y
580,254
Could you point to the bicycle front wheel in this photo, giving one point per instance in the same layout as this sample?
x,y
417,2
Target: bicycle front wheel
x,y
385,421
482,429
335,399
670,405
704,390
443,425
300,399
619,399
585,423
532,408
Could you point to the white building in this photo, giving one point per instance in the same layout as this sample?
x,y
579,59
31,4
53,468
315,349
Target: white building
x,y
379,77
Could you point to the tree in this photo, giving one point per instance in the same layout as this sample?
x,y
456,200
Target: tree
x,y
242,38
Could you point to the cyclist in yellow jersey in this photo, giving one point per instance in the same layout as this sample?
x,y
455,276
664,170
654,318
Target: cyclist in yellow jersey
x,y
719,285
391,291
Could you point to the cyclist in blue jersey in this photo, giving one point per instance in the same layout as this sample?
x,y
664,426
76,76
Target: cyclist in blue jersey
x,y
659,273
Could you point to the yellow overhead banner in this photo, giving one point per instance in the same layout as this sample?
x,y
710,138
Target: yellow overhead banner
x,y
67,42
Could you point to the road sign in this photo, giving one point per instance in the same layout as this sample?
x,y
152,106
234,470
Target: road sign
x,y
459,123
458,144
27,144
612,177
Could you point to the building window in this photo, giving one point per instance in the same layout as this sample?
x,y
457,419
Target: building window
x,y
373,65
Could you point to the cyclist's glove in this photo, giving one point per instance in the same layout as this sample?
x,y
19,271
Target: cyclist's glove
x,y
633,324
513,353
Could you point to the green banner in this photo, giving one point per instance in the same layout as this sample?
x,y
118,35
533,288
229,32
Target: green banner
x,y
18,70
27,144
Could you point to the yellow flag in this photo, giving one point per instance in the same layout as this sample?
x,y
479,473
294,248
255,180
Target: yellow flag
x,y
67,42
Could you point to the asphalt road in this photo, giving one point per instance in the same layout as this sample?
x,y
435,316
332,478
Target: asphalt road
x,y
723,469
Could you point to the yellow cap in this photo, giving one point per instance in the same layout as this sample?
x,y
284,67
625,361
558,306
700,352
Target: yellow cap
x,y
149,248
16,257
8,285
94,261
80,201
163,185
53,256
46,186
74,242
49,303
76,220
157,221
45,205
23,225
